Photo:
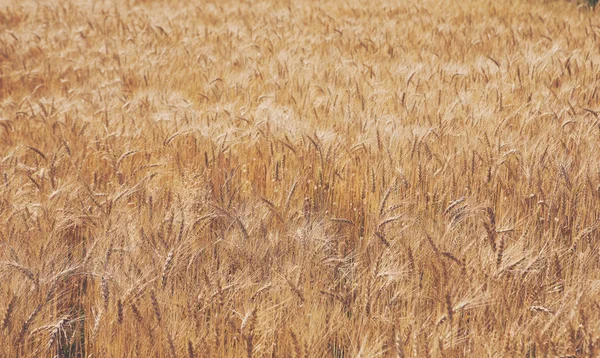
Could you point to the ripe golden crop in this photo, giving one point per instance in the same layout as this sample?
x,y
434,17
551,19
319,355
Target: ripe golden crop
x,y
299,179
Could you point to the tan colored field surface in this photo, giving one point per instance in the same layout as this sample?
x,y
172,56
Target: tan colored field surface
x,y
299,179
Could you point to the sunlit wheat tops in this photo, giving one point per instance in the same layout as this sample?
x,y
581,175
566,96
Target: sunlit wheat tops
x,y
299,179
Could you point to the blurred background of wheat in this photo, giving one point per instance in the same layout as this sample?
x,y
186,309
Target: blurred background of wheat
x,y
299,179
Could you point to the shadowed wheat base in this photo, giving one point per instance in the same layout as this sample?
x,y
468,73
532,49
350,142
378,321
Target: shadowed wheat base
x,y
404,179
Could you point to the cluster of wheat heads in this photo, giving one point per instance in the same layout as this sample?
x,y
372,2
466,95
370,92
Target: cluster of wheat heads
x,y
299,179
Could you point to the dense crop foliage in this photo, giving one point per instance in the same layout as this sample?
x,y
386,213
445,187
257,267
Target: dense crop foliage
x,y
299,179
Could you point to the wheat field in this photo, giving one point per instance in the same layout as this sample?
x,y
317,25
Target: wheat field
x,y
299,179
